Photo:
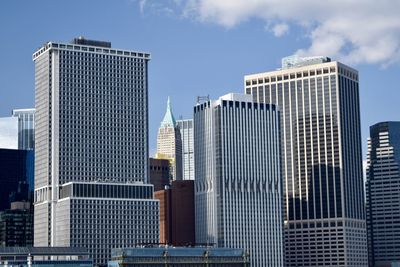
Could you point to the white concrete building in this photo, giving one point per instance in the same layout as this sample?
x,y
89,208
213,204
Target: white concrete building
x,y
238,185
186,130
91,148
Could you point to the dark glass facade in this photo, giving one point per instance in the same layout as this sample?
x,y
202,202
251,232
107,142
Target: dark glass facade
x,y
16,227
16,171
383,194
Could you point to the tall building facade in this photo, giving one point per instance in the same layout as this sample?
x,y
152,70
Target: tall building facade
x,y
169,143
26,128
16,225
321,159
383,194
159,173
9,133
186,130
16,176
91,152
238,185
177,214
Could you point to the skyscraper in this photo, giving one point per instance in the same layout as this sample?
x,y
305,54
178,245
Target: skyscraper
x,y
238,185
16,168
383,194
16,225
26,128
91,149
186,130
321,159
169,143
9,133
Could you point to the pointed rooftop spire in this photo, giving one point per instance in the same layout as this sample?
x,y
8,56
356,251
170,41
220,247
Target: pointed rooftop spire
x,y
169,120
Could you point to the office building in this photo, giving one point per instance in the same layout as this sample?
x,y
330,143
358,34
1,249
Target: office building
x,y
179,256
383,194
321,159
159,173
169,144
186,130
44,257
9,132
26,128
91,153
16,170
238,185
16,225
177,214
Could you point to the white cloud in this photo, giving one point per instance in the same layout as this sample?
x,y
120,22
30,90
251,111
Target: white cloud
x,y
279,29
355,31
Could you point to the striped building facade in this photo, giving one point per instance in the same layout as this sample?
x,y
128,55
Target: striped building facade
x,y
238,185
321,160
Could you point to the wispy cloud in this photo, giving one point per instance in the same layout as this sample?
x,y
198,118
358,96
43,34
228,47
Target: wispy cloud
x,y
278,30
355,31
142,4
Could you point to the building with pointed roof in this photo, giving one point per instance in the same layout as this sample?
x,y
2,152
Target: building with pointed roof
x,y
169,143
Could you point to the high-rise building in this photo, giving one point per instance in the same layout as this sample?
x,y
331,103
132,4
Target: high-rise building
x,y
26,128
16,225
177,214
321,159
186,130
383,194
169,143
9,133
238,185
159,173
16,176
91,153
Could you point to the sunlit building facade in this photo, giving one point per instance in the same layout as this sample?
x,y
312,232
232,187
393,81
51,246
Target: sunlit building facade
x,y
169,143
91,153
321,159
238,185
186,130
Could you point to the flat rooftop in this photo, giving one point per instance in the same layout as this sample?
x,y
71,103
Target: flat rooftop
x,y
43,251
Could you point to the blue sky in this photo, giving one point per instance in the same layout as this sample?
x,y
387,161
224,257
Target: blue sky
x,y
205,47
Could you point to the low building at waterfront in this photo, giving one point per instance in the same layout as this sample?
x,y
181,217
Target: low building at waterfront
x,y
178,256
44,257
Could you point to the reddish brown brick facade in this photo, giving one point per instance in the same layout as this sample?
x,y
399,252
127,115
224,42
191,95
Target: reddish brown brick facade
x,y
177,214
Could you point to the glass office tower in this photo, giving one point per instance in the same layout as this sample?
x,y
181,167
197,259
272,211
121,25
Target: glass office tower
x,y
186,129
238,185
383,194
26,128
9,133
91,148
321,159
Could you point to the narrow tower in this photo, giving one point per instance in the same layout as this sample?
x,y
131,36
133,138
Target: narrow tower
x,y
169,143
